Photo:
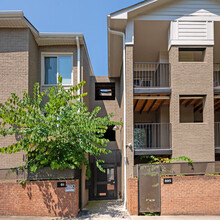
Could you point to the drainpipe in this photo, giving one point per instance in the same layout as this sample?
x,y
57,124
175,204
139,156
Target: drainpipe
x,y
78,93
78,63
124,91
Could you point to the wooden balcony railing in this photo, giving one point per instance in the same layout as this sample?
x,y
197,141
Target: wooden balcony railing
x,y
152,136
151,75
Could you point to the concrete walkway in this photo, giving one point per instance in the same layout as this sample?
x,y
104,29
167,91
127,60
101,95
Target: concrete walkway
x,y
186,217
104,209
103,217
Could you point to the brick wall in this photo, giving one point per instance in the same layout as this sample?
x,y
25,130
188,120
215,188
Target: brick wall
x,y
14,79
40,198
193,140
191,195
132,196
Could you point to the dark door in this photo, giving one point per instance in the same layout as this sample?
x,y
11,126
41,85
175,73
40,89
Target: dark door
x,y
104,186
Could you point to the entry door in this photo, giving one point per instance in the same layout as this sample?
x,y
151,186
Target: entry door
x,y
105,186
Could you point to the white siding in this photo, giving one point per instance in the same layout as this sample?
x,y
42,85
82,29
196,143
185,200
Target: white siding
x,y
191,33
192,21
186,9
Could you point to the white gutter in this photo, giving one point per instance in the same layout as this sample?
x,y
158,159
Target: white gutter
x,y
78,63
124,91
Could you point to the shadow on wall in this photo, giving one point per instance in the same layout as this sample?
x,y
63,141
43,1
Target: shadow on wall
x,y
48,199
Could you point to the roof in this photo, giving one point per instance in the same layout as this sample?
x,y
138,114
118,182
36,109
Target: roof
x,y
118,21
16,19
121,16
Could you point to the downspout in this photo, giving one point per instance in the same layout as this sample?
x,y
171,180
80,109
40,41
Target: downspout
x,y
78,93
78,63
124,91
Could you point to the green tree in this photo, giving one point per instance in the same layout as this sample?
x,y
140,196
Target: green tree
x,y
58,133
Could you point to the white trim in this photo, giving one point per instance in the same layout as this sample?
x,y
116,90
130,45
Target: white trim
x,y
11,14
123,13
129,33
57,53
54,54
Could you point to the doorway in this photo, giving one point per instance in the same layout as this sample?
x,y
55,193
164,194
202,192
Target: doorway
x,y
104,184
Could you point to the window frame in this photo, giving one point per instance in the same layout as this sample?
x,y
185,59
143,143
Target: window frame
x,y
54,54
203,101
192,49
105,85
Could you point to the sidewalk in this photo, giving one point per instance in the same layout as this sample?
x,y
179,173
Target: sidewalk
x,y
103,217
105,209
186,217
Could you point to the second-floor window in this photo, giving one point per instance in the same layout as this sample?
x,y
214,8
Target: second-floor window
x,y
54,65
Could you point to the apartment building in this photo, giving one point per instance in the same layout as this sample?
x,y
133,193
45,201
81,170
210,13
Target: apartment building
x,y
170,96
163,83
27,57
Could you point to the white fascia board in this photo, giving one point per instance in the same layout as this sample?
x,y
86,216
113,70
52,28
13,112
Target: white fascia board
x,y
70,37
60,35
11,14
123,13
190,43
120,16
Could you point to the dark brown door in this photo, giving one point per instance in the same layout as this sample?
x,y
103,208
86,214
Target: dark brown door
x,y
105,186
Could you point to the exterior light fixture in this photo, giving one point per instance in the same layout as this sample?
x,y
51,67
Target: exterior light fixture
x,y
115,128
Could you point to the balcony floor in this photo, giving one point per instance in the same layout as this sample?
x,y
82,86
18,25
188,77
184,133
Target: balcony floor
x,y
217,150
162,90
152,152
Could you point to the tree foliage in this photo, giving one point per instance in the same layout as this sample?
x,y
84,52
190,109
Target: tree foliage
x,y
58,133
158,160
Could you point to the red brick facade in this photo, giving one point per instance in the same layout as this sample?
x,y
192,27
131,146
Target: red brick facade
x,y
40,198
132,196
191,195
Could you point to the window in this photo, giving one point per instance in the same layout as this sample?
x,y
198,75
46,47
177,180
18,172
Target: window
x,y
105,91
191,54
191,108
110,134
54,65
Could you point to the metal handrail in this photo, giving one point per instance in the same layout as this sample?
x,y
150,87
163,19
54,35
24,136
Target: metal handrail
x,y
150,75
152,135
217,134
216,74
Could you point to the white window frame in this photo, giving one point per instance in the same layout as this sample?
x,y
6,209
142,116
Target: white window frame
x,y
54,54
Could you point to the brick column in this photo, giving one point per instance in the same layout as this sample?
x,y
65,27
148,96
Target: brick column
x,y
193,140
129,109
132,196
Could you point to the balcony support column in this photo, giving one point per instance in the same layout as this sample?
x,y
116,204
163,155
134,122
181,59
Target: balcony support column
x,y
194,140
129,110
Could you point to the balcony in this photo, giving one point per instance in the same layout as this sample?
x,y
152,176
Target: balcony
x,y
217,136
152,138
151,78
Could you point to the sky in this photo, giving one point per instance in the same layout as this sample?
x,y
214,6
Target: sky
x,y
73,16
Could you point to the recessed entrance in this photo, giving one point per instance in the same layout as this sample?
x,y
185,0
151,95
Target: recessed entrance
x,y
104,184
